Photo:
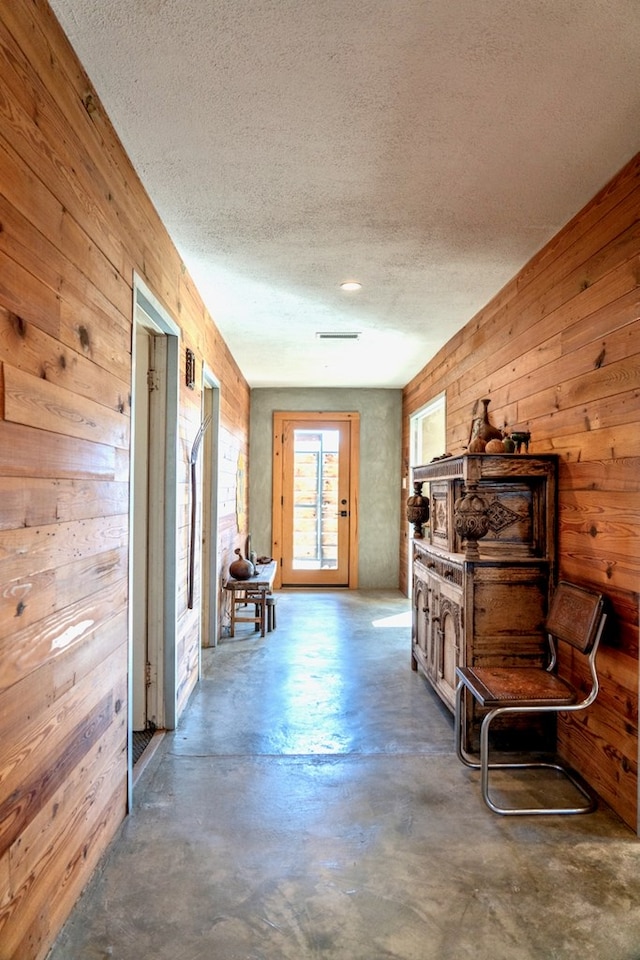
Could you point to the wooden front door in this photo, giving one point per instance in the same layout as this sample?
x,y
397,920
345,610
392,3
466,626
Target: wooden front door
x,y
315,499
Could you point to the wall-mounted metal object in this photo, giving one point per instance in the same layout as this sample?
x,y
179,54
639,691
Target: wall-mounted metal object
x,y
190,375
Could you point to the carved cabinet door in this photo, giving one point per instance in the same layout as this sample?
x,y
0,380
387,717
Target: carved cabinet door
x,y
448,644
421,614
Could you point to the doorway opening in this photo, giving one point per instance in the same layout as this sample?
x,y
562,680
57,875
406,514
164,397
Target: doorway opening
x,y
209,580
315,499
153,521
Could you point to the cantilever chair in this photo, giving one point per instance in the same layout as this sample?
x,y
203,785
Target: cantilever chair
x,y
576,617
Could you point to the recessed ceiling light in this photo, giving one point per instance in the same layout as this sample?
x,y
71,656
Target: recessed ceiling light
x,y
351,285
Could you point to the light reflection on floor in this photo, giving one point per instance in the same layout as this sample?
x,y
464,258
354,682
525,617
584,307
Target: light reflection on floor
x,y
398,620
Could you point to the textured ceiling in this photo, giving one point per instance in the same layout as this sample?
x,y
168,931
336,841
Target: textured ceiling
x,y
425,147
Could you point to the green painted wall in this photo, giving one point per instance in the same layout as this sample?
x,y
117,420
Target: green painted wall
x,y
380,470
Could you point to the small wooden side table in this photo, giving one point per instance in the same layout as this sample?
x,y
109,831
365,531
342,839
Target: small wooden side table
x,y
252,592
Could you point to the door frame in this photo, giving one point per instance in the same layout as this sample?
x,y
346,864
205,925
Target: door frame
x,y
280,417
209,513
149,312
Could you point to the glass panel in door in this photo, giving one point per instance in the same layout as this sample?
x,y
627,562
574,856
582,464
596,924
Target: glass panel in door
x,y
315,504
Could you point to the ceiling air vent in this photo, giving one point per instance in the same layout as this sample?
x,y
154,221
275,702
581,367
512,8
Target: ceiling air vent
x,y
337,335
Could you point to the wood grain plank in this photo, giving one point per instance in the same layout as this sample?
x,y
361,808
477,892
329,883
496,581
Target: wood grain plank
x,y
110,638
42,234
29,195
605,727
100,195
614,698
66,684
27,297
605,562
20,808
25,757
610,317
28,452
550,334
617,411
43,840
43,902
622,474
30,349
584,383
33,502
585,233
48,145
614,443
562,379
5,882
39,643
33,549
26,601
469,355
611,774
587,508
82,280
93,334
35,402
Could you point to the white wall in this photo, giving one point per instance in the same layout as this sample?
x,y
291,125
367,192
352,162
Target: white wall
x,y
380,470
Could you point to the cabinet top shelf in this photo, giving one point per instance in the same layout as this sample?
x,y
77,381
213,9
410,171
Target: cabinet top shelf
x,y
481,466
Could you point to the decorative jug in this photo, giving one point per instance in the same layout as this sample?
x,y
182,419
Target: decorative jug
x,y
241,569
482,426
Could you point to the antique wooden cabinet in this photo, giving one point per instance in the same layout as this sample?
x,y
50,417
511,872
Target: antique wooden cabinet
x,y
483,606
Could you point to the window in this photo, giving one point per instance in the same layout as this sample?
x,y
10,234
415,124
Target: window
x,y
428,432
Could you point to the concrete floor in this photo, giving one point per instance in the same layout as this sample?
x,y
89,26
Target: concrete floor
x,y
310,806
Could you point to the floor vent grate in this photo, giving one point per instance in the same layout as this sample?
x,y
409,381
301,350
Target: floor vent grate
x,y
141,740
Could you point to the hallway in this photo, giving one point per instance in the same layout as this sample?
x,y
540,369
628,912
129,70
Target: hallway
x,y
310,805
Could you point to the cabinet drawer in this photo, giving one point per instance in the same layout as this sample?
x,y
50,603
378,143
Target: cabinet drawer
x,y
430,565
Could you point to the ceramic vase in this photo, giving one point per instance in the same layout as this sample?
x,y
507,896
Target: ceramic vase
x,y
241,569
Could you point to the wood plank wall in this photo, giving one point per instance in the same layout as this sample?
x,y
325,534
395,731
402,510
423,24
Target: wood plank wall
x,y
74,225
558,353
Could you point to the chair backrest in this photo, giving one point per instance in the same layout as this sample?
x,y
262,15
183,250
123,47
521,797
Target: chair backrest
x,y
576,616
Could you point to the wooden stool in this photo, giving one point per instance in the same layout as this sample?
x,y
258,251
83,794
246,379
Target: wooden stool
x,y
271,614
255,598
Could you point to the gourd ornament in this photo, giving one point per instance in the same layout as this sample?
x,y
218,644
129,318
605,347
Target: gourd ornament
x,y
494,446
477,445
241,569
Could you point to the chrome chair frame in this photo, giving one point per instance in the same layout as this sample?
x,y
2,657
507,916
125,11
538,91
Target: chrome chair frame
x,y
554,696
